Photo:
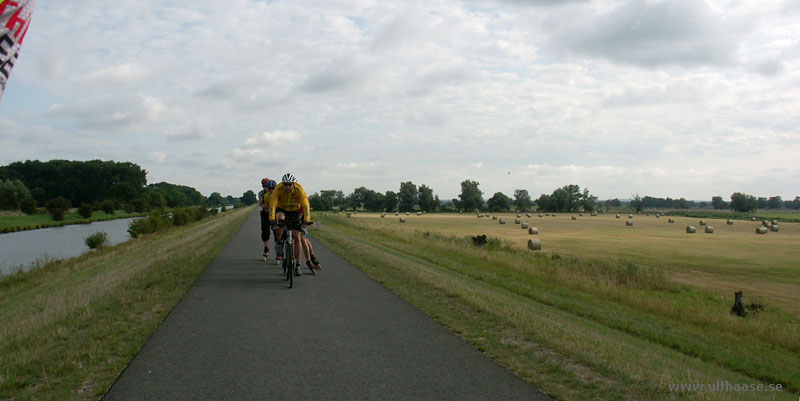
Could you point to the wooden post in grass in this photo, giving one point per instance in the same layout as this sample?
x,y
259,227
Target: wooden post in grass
x,y
738,307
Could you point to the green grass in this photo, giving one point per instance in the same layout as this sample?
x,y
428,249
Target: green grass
x,y
577,327
31,222
68,328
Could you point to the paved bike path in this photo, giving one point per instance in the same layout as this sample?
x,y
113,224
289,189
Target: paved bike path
x,y
240,334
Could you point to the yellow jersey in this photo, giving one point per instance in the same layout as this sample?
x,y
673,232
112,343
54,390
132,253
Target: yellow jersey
x,y
289,201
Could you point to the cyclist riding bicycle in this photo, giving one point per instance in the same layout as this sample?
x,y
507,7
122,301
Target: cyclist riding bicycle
x,y
311,260
263,200
286,202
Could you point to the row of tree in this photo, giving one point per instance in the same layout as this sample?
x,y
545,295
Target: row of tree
x,y
93,185
740,202
409,197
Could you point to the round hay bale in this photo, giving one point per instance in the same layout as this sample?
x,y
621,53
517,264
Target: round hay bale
x,y
594,214
628,223
533,230
528,215
709,229
630,216
540,215
460,212
773,227
524,225
646,214
396,213
691,229
730,222
535,244
752,219
518,215
494,217
502,221
355,212
574,218
517,220
761,230
383,215
402,220
658,216
671,221
775,222
419,213
480,216
579,214
407,213
423,212
554,215
348,215
764,223
547,214
617,216
702,222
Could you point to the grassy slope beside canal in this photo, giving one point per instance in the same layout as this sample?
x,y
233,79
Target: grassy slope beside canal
x,y
69,328
578,328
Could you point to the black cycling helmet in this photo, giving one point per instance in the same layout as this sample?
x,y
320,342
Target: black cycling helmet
x,y
271,184
288,178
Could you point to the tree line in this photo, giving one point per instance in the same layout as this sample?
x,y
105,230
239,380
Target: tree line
x,y
91,185
411,197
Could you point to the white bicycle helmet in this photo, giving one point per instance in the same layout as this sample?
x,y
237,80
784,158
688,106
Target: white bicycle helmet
x,y
288,178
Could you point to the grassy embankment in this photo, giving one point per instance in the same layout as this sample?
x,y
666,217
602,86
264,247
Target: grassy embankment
x,y
68,328
11,222
595,327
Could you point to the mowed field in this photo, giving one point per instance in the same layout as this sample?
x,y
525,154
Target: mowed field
x,y
734,257
603,311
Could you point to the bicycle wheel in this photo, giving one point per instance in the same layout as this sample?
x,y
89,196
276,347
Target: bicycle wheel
x,y
289,258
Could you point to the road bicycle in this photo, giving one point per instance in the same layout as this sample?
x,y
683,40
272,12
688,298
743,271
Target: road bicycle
x,y
288,261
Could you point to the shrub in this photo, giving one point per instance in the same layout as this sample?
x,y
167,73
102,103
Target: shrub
x,y
141,226
85,210
57,207
107,206
139,205
129,207
96,240
28,206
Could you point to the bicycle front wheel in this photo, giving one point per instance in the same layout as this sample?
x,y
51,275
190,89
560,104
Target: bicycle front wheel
x,y
288,255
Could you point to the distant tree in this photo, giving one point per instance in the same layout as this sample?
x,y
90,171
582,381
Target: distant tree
x,y
546,203
425,198
613,203
12,194
761,202
249,197
795,204
215,199
742,202
85,210
682,203
319,202
58,207
718,203
28,206
107,206
456,204
471,197
338,199
390,201
636,202
156,200
589,201
407,196
437,204
775,202
140,205
499,202
522,200
228,199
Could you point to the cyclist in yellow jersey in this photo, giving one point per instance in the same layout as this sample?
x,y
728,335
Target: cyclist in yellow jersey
x,y
287,200
263,200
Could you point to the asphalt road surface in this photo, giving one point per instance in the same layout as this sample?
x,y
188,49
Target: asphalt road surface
x,y
241,334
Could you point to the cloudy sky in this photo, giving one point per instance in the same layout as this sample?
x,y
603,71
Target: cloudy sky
x,y
684,98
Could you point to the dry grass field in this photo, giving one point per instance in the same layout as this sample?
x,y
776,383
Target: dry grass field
x,y
734,257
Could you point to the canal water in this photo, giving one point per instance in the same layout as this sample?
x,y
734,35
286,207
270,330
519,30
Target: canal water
x,y
21,250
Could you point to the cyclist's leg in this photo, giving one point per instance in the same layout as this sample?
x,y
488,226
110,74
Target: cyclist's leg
x,y
265,231
279,216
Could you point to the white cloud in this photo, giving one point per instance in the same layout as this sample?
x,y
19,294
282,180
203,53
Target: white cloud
x,y
274,138
670,98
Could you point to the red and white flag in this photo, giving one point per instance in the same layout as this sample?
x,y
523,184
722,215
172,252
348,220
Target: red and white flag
x,y
15,18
